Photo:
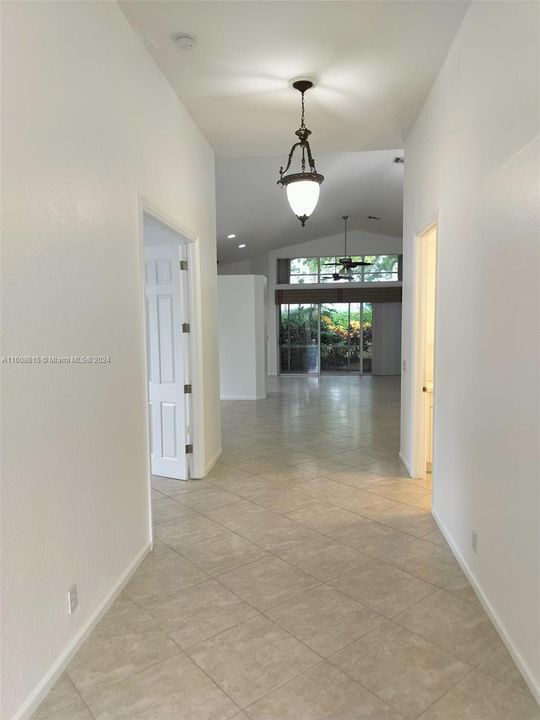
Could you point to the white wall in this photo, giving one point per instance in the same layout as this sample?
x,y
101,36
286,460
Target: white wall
x,y
89,123
472,159
242,332
242,267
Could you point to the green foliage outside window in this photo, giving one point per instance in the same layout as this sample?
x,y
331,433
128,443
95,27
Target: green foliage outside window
x,y
308,270
343,346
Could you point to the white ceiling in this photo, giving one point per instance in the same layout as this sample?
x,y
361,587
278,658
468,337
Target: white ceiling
x,y
251,204
375,62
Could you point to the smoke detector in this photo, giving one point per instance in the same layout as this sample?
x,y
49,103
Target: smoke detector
x,y
184,42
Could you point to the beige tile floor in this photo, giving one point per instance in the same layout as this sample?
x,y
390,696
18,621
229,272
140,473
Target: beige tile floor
x,y
303,579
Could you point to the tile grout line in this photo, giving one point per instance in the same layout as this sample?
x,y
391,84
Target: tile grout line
x,y
324,659
378,559
314,415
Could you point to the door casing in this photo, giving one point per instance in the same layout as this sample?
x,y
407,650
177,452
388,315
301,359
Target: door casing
x,y
198,460
418,358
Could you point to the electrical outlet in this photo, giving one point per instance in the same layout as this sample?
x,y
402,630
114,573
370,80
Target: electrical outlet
x,y
475,541
73,600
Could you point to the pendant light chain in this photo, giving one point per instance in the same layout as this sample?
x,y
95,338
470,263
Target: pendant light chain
x,y
302,187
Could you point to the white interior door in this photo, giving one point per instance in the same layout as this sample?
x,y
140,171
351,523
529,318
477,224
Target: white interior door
x,y
166,360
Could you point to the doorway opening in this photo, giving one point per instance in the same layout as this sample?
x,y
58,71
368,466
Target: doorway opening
x,y
168,325
424,360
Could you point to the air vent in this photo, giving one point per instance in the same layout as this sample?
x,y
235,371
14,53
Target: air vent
x,y
398,160
373,217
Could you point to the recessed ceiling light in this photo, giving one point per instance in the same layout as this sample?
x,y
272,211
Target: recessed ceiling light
x,y
242,245
184,41
231,236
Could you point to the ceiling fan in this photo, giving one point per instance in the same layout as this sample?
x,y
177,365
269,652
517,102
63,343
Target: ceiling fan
x,y
346,262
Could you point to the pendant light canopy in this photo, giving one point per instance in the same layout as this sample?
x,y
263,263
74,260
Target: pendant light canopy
x,y
302,187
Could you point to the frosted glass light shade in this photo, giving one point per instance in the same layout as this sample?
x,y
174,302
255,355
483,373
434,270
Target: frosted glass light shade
x,y
303,196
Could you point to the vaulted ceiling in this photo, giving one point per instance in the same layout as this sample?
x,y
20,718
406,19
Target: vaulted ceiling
x,y
251,204
375,62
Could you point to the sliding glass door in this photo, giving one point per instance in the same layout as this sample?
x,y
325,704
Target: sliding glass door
x,y
345,342
366,310
335,337
299,339
326,338
355,337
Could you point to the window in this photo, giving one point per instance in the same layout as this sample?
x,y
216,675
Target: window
x,y
383,268
301,271
304,270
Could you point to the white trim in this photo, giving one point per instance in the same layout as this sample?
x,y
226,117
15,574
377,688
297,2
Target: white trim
x,y
491,613
32,702
418,432
144,355
196,364
404,462
333,286
196,349
212,462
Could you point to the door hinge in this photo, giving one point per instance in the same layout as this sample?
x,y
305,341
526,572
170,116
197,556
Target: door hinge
x,y
187,389
186,327
189,449
183,265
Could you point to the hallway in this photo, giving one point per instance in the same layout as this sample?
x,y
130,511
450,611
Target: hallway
x,y
303,579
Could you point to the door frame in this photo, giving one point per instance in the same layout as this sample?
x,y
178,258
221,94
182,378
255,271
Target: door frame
x,y
418,355
191,240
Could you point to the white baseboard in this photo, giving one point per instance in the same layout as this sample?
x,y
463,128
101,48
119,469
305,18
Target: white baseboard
x,y
31,703
243,397
405,463
499,626
210,464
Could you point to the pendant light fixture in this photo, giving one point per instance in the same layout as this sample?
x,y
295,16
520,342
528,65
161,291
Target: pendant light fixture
x,y
302,187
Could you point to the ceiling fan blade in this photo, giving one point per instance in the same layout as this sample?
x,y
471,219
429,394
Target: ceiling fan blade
x,y
328,264
337,277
